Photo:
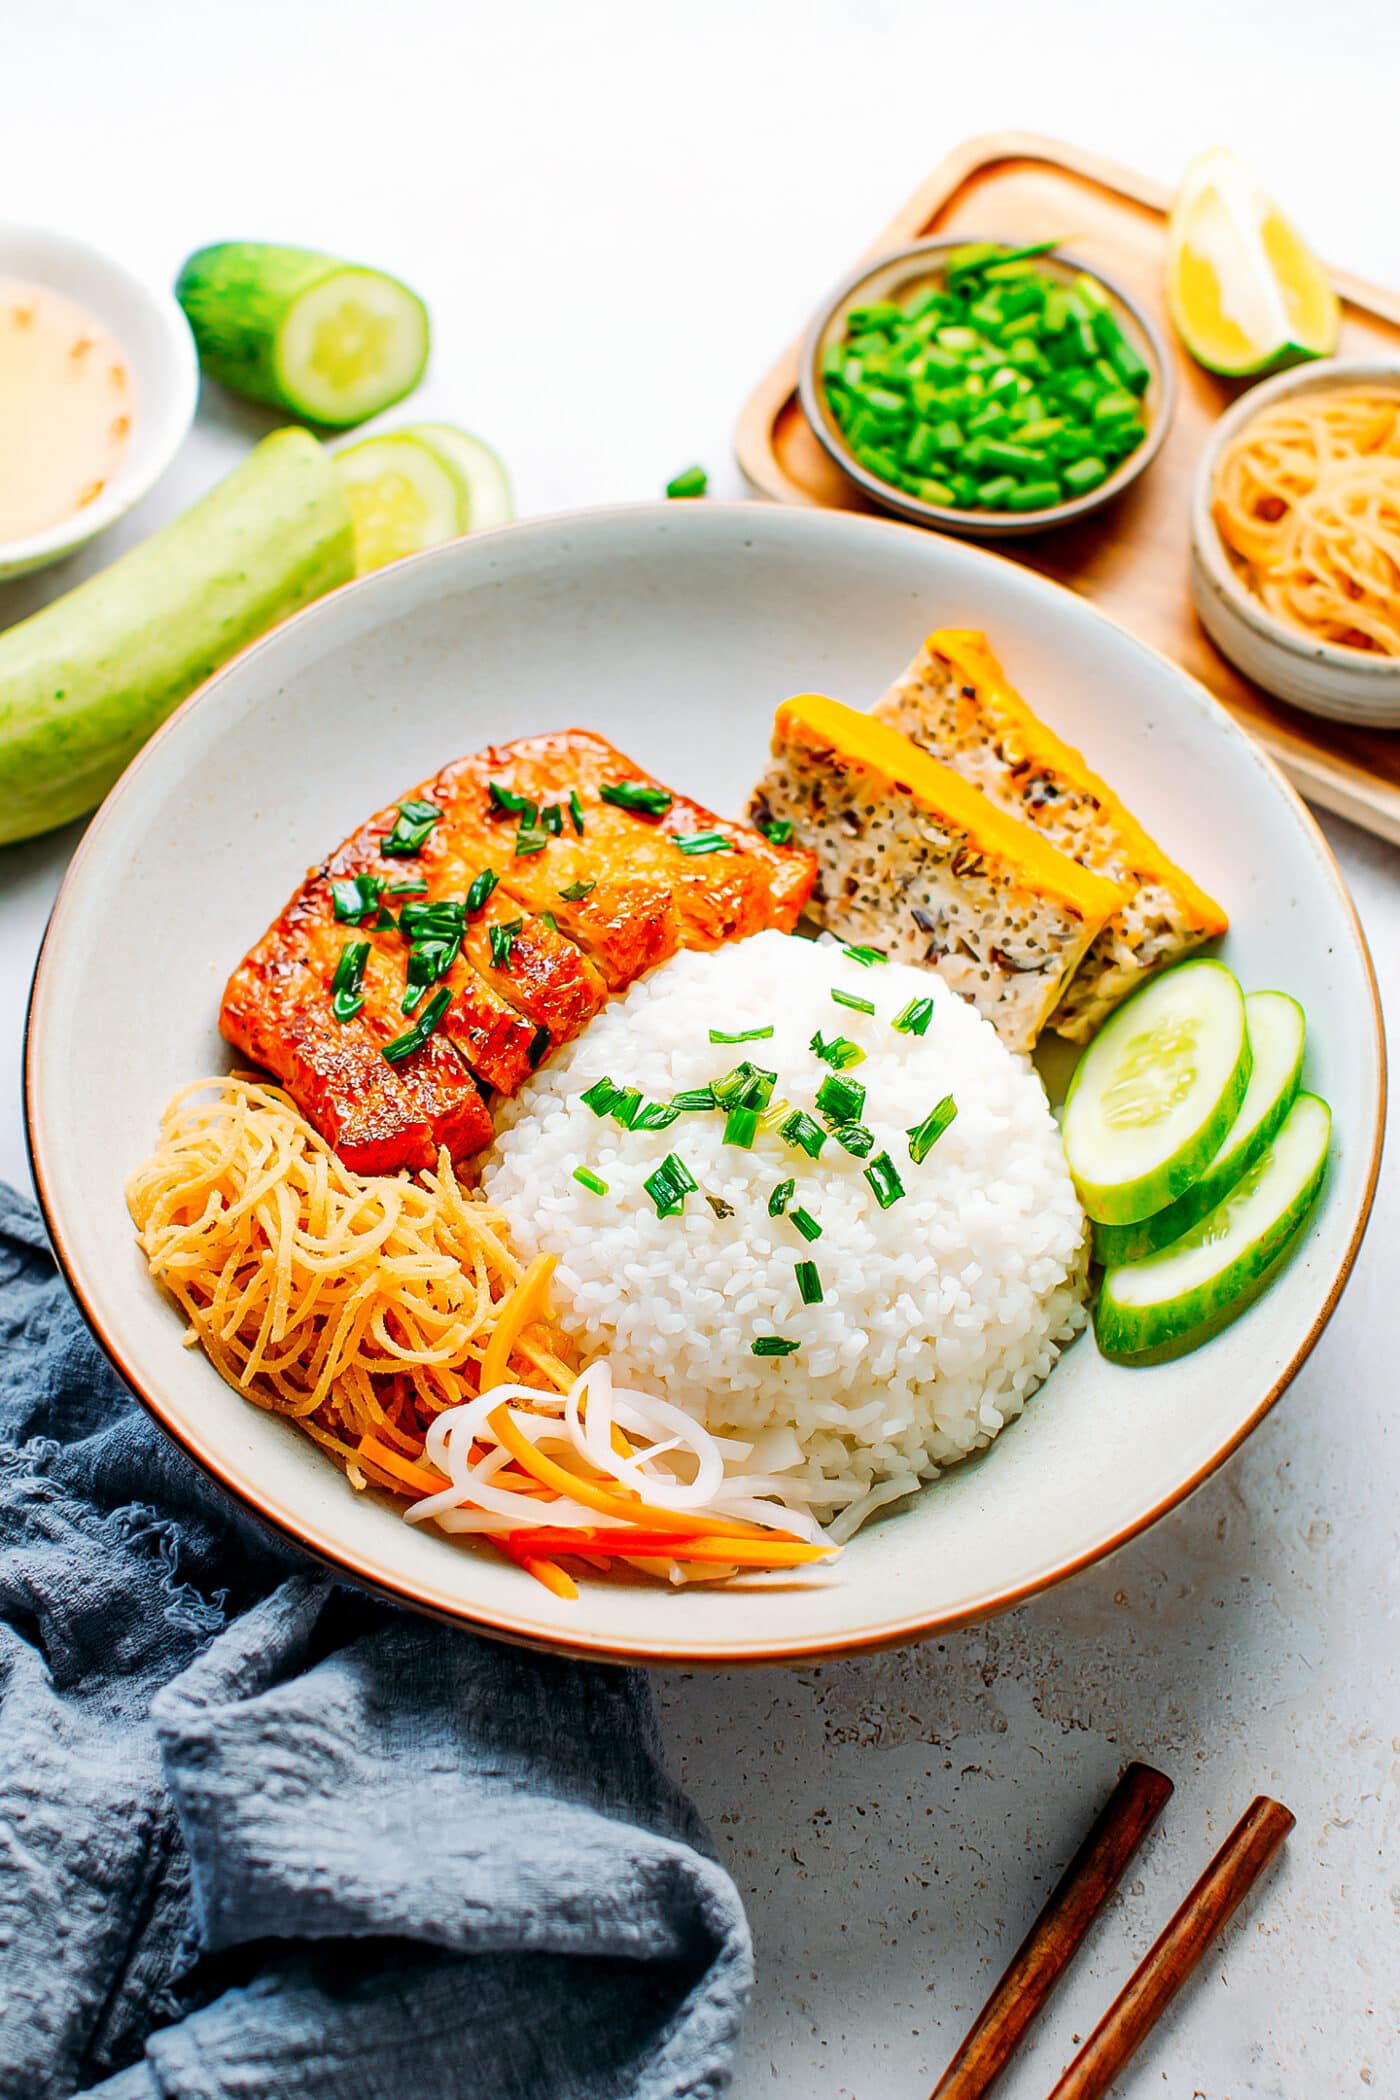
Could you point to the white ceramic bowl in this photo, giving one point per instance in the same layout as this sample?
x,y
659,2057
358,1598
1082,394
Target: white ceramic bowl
x,y
1345,685
674,629
150,327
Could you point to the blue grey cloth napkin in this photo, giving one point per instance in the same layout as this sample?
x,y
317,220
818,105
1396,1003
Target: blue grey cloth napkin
x,y
262,1836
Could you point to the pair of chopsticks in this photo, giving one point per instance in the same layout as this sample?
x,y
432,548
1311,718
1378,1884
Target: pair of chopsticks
x,y
1057,1934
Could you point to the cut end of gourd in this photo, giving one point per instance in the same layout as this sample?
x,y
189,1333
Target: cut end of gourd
x,y
351,345
1245,291
402,499
484,478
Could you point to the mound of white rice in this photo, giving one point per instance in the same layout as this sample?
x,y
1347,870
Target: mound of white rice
x,y
940,1316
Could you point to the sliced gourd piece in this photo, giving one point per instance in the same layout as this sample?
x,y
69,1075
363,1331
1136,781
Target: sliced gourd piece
x,y
403,497
1276,1029
1244,290
489,500
1156,1091
1175,1299
329,340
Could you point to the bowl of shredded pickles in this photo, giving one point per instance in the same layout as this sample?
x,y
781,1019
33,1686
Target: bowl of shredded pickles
x,y
988,389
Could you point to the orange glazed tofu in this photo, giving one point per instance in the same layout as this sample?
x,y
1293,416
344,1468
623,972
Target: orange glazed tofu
x,y
460,935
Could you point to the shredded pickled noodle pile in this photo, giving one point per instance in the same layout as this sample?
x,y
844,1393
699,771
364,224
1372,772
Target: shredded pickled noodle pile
x,y
1307,498
388,1317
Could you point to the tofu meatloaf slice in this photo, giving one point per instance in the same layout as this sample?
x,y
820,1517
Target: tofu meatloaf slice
x,y
914,861
587,896
956,703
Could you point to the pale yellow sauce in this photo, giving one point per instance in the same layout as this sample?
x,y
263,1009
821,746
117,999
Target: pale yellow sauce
x,y
66,408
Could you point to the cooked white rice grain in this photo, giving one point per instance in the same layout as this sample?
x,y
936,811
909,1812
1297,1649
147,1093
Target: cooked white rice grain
x,y
940,1316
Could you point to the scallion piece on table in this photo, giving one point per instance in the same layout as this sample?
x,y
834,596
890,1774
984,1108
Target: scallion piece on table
x,y
866,956
669,1186
354,897
600,1096
840,1100
851,999
915,1018
404,1045
410,833
577,891
692,481
741,1035
576,811
506,803
741,1127
586,1178
924,1136
809,1283
780,1198
697,842
774,1345
884,1180
803,1134
347,983
805,1223
634,795
503,935
481,889
838,1051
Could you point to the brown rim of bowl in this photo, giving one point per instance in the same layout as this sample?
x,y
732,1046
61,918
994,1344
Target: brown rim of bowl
x,y
979,524
550,1637
1318,375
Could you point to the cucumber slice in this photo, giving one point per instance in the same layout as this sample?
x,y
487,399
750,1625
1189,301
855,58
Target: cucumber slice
x,y
1276,1027
1156,1091
403,497
1175,1299
331,341
489,500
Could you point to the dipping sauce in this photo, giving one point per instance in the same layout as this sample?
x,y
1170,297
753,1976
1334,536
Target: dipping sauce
x,y
66,408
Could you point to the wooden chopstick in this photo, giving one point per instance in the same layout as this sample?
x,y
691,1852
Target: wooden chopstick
x,y
1054,1939
1164,1969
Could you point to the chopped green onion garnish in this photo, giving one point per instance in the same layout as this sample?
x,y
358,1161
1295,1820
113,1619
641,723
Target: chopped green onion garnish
x,y
627,1106
777,830
503,940
427,961
924,1136
702,842
840,1100
641,800
780,1198
805,1223
506,803
407,889
531,838
747,1086
915,1018
547,918
669,1186
694,1097
741,1127
589,1180
855,1139
576,811
409,835
809,1283
884,1180
692,482
803,1134
356,897
657,1115
442,920
741,1035
718,1205
600,1097
539,1045
404,1045
837,1050
860,1006
481,889
384,920
577,891
866,956
775,1345
347,984
552,818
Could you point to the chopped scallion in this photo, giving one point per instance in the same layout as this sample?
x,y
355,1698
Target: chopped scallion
x,y
577,891
669,1186
506,803
695,1097
407,889
803,1134
860,1006
805,1223
915,1018
586,1177
884,1180
427,961
409,835
531,838
840,1100
627,1106
838,1051
702,842
718,1205
809,1283
355,897
775,1345
747,1086
657,1115
777,830
692,482
741,1035
924,1136
552,818
780,1198
547,918
503,941
539,1046
600,1096
481,889
636,796
741,1127
866,956
347,984
441,920
576,811
404,1045
855,1139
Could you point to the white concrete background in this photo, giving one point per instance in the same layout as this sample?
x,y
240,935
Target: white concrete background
x,y
619,212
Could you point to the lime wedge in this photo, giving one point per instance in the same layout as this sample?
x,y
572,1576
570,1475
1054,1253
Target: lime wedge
x,y
1244,290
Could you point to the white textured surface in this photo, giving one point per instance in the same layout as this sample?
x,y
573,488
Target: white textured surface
x,y
619,213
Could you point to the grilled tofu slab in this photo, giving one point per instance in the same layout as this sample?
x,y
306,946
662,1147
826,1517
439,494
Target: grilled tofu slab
x,y
554,897
914,861
956,703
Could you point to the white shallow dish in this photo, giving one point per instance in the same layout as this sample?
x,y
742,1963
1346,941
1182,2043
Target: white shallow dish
x,y
674,629
1343,685
155,335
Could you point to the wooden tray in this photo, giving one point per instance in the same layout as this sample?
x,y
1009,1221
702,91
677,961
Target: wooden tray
x,y
1134,558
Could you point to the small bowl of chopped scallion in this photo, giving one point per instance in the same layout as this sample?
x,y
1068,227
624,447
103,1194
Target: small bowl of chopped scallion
x,y
984,388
